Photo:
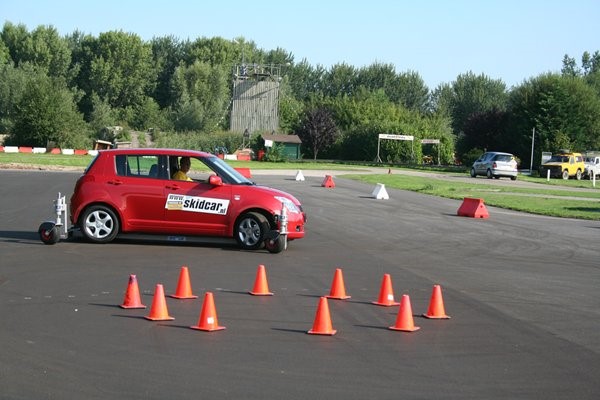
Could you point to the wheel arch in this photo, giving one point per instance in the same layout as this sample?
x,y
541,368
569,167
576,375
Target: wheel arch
x,y
268,215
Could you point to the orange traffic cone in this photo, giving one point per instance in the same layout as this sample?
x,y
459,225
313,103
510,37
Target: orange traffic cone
x,y
328,182
184,287
386,294
322,324
132,295
436,305
208,316
261,287
404,319
338,290
159,311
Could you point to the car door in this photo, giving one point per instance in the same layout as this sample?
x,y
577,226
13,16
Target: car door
x,y
479,164
196,208
137,191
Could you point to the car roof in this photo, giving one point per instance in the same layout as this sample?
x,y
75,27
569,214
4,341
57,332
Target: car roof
x,y
499,152
160,151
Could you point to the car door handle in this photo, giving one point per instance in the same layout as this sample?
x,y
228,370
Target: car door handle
x,y
115,182
175,187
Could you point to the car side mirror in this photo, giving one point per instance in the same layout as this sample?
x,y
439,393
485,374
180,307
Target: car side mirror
x,y
215,180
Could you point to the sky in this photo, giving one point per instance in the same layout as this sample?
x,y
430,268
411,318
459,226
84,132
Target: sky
x,y
509,40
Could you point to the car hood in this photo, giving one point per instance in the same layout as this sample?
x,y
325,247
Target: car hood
x,y
275,192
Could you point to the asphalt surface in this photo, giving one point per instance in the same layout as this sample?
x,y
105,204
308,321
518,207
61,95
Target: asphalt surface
x,y
521,290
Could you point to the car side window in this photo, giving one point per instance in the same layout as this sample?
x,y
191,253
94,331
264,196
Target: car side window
x,y
143,166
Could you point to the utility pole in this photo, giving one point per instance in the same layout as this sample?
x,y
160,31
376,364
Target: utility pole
x,y
532,142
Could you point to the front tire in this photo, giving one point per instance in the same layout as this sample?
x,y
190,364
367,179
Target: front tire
x,y
578,176
473,173
250,230
48,233
99,224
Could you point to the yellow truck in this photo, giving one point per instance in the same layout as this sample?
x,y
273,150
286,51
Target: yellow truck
x,y
564,164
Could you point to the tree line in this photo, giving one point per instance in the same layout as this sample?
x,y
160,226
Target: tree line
x,y
68,89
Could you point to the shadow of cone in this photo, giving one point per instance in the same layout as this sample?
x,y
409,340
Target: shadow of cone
x,y
159,311
386,294
261,287
436,305
322,324
338,289
404,319
132,295
208,316
184,287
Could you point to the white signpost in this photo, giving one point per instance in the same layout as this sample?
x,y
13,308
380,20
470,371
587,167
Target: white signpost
x,y
392,137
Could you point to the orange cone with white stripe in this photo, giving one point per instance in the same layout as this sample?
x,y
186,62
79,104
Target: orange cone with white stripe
x,y
386,293
208,316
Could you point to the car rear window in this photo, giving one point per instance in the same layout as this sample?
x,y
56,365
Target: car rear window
x,y
503,157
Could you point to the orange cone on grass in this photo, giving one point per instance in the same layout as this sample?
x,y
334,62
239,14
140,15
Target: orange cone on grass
x,y
261,286
338,289
132,295
184,287
322,324
436,305
386,293
208,316
159,311
404,319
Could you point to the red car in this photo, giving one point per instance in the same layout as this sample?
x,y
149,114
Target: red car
x,y
132,191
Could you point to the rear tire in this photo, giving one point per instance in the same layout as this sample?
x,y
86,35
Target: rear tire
x,y
489,174
48,233
99,224
565,175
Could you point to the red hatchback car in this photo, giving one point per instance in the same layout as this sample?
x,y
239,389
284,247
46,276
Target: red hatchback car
x,y
133,191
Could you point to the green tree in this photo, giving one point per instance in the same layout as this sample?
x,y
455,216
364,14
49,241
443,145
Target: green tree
x,y
43,48
203,96
475,94
46,113
117,67
565,112
12,84
167,54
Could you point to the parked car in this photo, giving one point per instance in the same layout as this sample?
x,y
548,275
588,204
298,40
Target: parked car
x,y
131,191
564,164
592,166
494,164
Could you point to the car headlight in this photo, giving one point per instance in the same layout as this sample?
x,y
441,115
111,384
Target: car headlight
x,y
288,204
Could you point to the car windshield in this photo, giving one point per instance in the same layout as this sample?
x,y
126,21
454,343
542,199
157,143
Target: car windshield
x,y
227,173
559,159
